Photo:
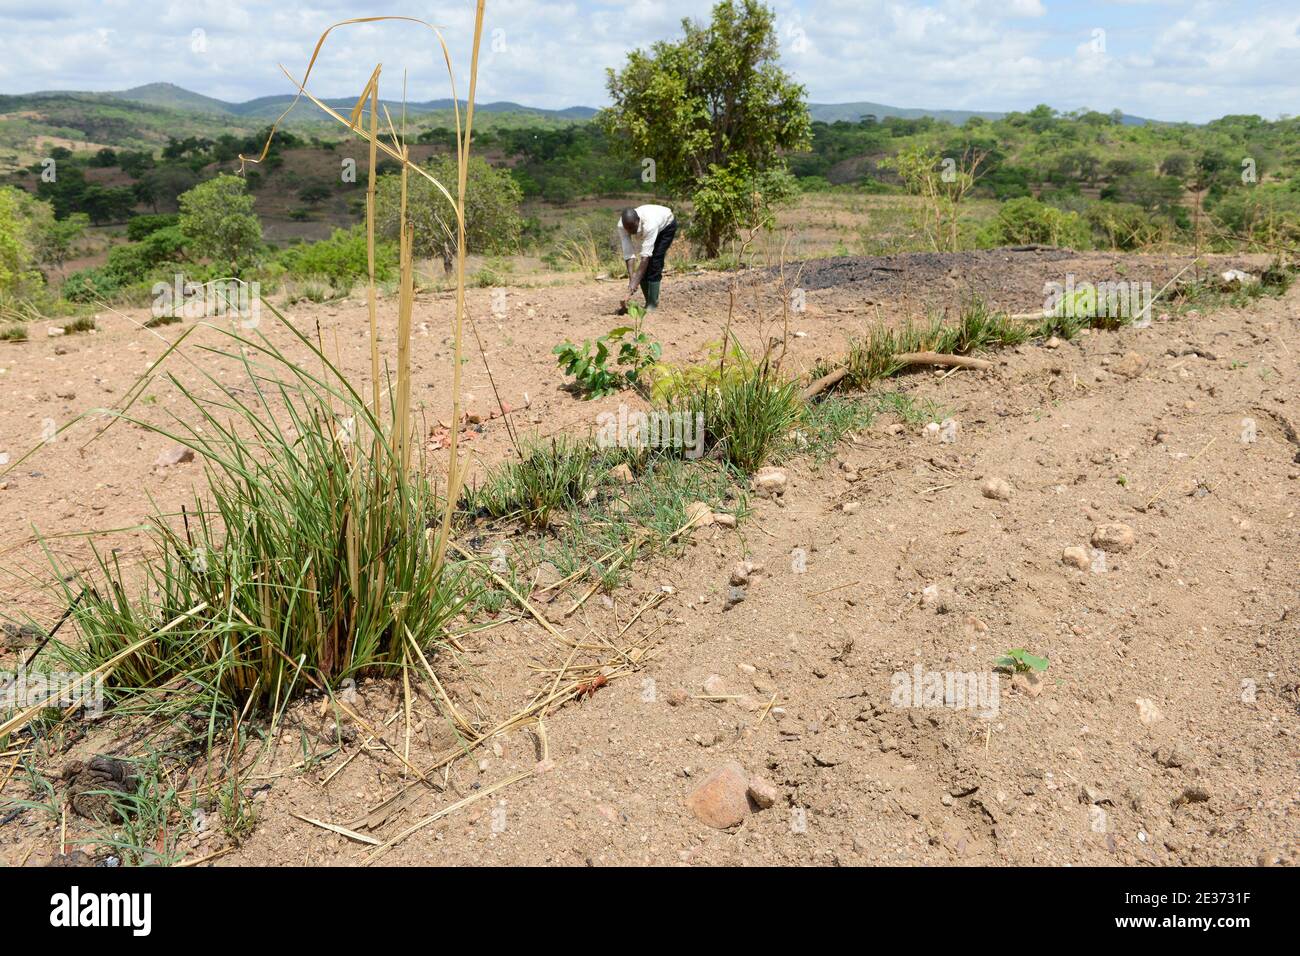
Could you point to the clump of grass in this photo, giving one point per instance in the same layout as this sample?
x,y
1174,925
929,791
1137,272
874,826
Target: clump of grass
x,y
84,324
745,416
548,477
978,328
312,548
602,536
1210,292
13,333
158,321
823,425
907,408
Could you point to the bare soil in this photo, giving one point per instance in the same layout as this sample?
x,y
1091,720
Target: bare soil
x,y
1162,733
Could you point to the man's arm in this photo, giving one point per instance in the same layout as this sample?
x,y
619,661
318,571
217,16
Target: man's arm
x,y
634,278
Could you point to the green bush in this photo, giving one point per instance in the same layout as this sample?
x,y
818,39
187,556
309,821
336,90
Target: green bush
x,y
1125,226
1027,221
342,258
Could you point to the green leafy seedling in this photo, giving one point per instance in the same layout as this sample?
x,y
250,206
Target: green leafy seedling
x,y
1021,661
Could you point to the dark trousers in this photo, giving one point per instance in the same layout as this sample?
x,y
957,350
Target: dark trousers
x,y
655,271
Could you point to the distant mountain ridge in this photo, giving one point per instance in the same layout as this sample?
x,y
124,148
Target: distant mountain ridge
x,y
171,96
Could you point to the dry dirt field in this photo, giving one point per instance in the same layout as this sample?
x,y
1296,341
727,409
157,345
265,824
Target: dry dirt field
x,y
1164,731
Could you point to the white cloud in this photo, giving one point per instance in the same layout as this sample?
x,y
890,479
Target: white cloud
x,y
1164,58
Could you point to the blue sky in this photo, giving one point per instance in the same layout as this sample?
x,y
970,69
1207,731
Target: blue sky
x,y
1165,59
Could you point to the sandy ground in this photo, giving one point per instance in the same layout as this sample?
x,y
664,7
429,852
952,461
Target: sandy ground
x,y
1163,731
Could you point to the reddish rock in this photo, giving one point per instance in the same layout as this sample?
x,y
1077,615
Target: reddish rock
x,y
721,800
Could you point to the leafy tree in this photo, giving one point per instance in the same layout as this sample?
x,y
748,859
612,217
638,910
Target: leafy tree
x,y
17,272
218,222
104,158
492,222
164,185
54,240
714,111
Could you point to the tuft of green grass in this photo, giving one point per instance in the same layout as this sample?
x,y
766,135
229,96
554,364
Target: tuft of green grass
x,y
13,333
823,425
548,477
978,329
84,324
312,550
746,417
602,533
160,320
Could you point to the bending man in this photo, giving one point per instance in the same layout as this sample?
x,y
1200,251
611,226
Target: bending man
x,y
653,227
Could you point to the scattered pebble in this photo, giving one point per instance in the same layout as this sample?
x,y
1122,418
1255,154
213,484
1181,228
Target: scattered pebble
x,y
770,481
1148,712
699,514
1076,557
176,455
999,489
763,792
1117,537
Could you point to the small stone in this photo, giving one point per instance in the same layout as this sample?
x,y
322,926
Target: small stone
x,y
622,473
699,514
721,800
734,596
715,686
723,520
996,488
763,792
677,697
1052,343
544,766
176,455
1131,365
1076,557
740,575
851,507
1148,712
1117,537
770,481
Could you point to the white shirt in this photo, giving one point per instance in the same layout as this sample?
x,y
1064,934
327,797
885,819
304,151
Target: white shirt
x,y
653,220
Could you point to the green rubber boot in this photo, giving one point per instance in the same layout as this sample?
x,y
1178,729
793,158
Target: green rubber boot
x,y
651,294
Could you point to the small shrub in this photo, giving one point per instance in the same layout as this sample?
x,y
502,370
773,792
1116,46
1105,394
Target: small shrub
x,y
1027,221
588,363
341,259
13,333
84,324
